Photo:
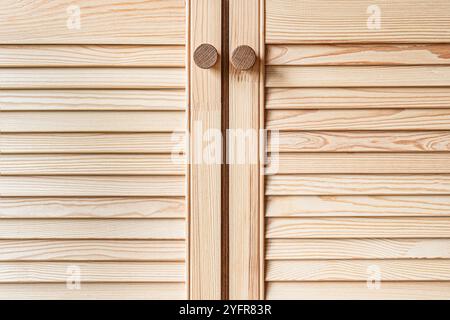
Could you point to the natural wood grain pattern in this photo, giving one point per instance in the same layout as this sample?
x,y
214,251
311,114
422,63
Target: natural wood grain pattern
x,y
358,54
358,270
92,250
329,184
306,21
93,121
112,143
90,56
88,78
44,186
292,249
364,141
357,98
354,163
244,177
357,227
362,206
91,100
73,207
370,119
205,56
57,272
358,291
92,229
205,185
357,76
87,164
94,291
101,22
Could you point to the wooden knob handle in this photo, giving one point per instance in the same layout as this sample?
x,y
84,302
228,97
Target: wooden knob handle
x,y
243,58
205,56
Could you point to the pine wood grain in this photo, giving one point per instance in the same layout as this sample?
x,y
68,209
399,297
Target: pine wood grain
x,y
335,184
92,121
369,119
92,100
321,21
357,76
92,250
361,206
92,229
91,186
358,54
76,207
102,22
88,78
357,98
364,141
357,227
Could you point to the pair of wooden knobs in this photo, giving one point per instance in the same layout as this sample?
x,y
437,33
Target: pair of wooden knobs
x,y
206,56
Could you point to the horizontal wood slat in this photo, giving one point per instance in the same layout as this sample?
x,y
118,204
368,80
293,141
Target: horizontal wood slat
x,y
50,272
354,163
306,21
359,76
358,270
92,250
94,291
91,100
370,119
357,98
292,249
94,121
368,141
329,184
362,206
88,78
116,207
101,22
357,227
91,56
358,290
358,54
35,186
105,164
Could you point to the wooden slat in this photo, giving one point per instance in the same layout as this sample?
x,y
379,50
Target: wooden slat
x,y
370,119
358,290
88,78
35,186
105,164
128,207
91,100
94,121
357,98
94,291
359,76
358,227
91,56
306,21
368,141
92,229
289,249
362,206
358,270
354,163
101,22
358,54
91,143
329,184
51,272
92,250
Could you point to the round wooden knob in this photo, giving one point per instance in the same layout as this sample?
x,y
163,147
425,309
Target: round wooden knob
x,y
205,56
243,58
